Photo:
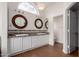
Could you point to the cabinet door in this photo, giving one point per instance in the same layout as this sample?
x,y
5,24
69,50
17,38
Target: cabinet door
x,y
15,44
35,41
44,39
11,41
38,41
26,42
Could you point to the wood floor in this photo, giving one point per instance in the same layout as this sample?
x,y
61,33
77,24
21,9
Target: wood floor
x,y
47,51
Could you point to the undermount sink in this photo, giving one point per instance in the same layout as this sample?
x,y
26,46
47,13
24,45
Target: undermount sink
x,y
21,34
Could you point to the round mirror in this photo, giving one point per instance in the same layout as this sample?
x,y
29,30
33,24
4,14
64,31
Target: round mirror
x,y
19,21
38,23
46,24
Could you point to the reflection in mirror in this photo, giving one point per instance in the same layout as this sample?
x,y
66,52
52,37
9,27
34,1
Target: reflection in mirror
x,y
19,21
38,23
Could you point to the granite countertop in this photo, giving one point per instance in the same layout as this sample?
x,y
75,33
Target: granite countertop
x,y
27,34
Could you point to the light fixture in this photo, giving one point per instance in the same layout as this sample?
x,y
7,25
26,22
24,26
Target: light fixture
x,y
41,6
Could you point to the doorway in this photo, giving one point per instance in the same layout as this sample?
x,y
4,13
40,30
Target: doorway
x,y
58,31
73,28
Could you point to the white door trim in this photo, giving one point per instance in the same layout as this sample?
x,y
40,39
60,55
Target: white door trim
x,y
66,30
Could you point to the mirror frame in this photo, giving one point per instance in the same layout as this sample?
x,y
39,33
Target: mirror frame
x,y
46,24
36,23
14,24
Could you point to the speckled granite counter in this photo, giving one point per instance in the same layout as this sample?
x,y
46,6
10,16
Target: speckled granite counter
x,y
27,34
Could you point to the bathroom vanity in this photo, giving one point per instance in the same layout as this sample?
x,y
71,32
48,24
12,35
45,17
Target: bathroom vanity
x,y
21,42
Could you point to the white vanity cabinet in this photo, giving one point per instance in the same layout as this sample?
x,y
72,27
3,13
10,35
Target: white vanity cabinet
x,y
44,40
15,44
38,41
18,44
26,43
35,41
11,41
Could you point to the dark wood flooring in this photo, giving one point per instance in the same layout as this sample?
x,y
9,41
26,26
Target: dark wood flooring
x,y
48,51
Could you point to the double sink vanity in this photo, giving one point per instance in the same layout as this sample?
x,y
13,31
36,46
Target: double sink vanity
x,y
22,41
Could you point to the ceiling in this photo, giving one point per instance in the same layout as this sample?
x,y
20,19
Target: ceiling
x,y
45,4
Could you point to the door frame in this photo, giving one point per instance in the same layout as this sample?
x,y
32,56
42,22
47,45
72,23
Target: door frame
x,y
68,40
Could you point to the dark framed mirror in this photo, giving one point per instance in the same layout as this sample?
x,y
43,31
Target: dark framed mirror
x,y
46,24
19,21
38,23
